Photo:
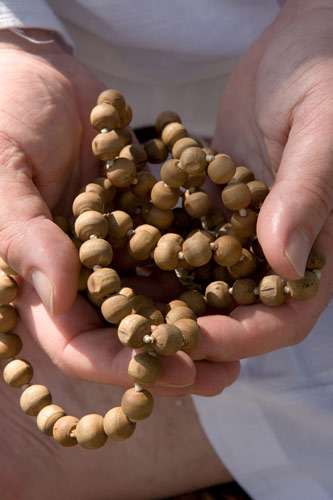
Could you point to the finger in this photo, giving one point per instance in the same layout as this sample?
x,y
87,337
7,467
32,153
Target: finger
x,y
30,242
301,199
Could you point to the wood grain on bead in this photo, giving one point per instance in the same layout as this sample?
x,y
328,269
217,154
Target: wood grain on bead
x,y
221,169
10,345
236,196
193,160
195,180
271,290
316,259
156,151
245,267
145,369
172,132
143,241
89,431
47,417
152,314
164,118
179,147
117,426
119,223
217,294
135,153
107,146
103,282
244,224
242,174
112,96
17,373
144,184
34,398
104,116
243,292
258,191
180,312
121,173
8,289
137,405
164,196
132,329
63,431
103,187
195,300
191,333
162,219
91,223
227,250
87,201
116,308
172,175
197,204
166,339
96,252
305,288
8,318
197,250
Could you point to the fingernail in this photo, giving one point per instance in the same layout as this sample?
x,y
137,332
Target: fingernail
x,y
297,250
44,288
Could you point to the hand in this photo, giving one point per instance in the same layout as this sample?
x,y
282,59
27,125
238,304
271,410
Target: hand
x,y
276,117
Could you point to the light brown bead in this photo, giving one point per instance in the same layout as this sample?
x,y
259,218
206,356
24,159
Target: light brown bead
x,y
221,169
47,417
125,117
227,250
180,312
166,339
10,345
124,135
6,268
191,333
137,405
197,204
172,175
195,300
163,196
128,202
193,160
196,250
153,315
117,426
103,187
162,219
17,372
172,132
107,146
132,329
87,201
217,294
144,184
227,229
138,301
245,267
166,252
34,398
121,173
145,369
91,223
64,431
119,223
156,151
62,222
111,96
83,278
116,308
195,180
136,154
244,225
127,291
258,191
164,118
90,431
8,318
182,144
103,282
316,259
104,116
271,290
236,196
8,289
96,252
243,292
143,241
305,288
243,174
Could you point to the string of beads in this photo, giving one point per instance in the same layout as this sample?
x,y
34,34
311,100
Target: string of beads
x,y
220,263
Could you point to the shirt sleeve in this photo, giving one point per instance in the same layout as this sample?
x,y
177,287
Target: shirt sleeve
x,y
32,14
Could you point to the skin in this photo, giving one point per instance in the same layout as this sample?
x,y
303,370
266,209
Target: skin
x,y
277,104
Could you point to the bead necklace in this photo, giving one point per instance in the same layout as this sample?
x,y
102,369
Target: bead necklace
x,y
220,263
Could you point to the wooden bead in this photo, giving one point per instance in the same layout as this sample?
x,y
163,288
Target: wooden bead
x,y
85,202
195,300
191,333
316,259
121,173
107,146
243,174
94,300
197,250
227,229
182,144
111,96
127,291
164,118
128,202
172,132
136,154
137,405
143,241
217,294
62,222
83,278
125,116
153,315
117,426
119,223
180,312
96,252
34,398
162,219
166,252
6,268
64,431
103,187
195,180
221,169
125,137
138,301
91,223
17,372
8,318
227,251
144,184
197,204
10,345
304,288
243,292
132,329
220,273
156,151
104,116
236,196
193,160
173,304
258,191
167,339
90,432
116,308
245,267
8,289
103,282
47,417
163,196
271,290
172,175
145,369
244,225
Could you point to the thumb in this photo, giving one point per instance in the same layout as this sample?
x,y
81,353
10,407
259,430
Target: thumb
x,y
30,242
301,199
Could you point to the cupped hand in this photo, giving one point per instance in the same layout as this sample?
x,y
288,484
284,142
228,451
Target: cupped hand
x,y
276,116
